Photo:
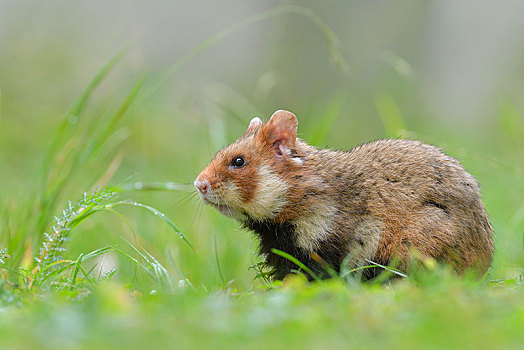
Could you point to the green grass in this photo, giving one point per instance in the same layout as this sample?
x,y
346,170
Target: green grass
x,y
93,255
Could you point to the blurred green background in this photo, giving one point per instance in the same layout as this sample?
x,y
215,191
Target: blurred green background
x,y
435,71
450,73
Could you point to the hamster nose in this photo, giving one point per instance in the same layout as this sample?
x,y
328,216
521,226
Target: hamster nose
x,y
202,186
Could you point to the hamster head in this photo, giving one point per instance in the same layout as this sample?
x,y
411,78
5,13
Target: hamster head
x,y
247,179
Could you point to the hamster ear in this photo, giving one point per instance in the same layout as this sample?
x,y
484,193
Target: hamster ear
x,y
254,124
281,130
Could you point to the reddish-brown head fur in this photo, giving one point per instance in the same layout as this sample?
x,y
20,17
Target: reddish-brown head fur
x,y
251,188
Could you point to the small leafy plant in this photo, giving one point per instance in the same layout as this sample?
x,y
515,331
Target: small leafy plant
x,y
52,265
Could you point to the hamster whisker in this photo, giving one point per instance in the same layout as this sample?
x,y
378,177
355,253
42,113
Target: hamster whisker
x,y
186,198
198,212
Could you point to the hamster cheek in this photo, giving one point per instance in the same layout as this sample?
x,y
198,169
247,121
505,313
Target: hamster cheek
x,y
231,195
269,195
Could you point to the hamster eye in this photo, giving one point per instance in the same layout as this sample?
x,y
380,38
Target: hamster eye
x,y
238,162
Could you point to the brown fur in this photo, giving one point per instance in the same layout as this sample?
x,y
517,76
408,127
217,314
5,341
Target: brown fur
x,y
378,201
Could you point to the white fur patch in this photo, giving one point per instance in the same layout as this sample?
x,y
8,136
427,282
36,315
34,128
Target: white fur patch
x,y
297,161
270,196
312,229
364,242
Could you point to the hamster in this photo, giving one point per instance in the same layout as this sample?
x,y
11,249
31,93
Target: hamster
x,y
380,201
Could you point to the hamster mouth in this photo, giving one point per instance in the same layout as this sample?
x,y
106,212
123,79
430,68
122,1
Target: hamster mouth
x,y
222,208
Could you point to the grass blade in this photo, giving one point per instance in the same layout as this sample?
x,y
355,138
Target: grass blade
x,y
357,269
50,191
326,122
390,269
184,278
296,262
154,186
79,106
223,281
78,265
390,115
157,213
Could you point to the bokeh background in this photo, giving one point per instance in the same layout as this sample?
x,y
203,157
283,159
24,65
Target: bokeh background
x,y
450,73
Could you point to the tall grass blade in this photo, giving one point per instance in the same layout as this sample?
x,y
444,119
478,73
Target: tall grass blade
x,y
331,38
326,121
78,108
391,117
98,142
222,279
52,188
399,64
